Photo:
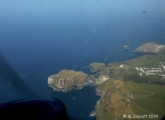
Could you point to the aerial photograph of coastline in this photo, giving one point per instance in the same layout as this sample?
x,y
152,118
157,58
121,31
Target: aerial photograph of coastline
x,y
82,59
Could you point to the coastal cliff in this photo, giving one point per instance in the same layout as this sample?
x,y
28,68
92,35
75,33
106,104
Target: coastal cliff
x,y
150,48
67,80
133,88
125,88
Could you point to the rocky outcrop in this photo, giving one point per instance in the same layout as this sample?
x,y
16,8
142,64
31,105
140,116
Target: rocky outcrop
x,y
67,80
150,48
101,79
126,47
96,67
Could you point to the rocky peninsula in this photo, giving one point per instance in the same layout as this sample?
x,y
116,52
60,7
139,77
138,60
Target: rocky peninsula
x,y
150,48
67,80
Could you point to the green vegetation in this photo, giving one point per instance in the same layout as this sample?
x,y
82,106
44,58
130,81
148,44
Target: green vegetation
x,y
147,60
146,99
160,96
139,110
131,73
156,106
104,109
127,92
106,86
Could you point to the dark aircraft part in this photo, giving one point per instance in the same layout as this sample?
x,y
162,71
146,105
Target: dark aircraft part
x,y
163,118
9,75
33,109
30,109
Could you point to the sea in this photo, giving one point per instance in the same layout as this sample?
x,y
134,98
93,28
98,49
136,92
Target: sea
x,y
40,38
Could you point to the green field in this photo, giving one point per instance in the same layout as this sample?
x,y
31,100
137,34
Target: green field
x,y
147,99
147,60
156,106
137,95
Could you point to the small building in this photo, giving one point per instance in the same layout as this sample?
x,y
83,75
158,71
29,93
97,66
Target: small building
x,y
122,65
130,95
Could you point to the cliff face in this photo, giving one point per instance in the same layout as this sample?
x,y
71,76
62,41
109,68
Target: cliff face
x,y
96,67
67,80
150,48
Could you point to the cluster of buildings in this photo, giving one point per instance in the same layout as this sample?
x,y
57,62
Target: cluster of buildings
x,y
129,96
161,65
126,67
160,70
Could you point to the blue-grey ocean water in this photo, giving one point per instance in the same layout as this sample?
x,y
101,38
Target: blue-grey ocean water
x,y
41,38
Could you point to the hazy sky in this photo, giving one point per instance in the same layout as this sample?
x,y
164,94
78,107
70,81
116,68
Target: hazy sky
x,y
86,6
62,16
93,11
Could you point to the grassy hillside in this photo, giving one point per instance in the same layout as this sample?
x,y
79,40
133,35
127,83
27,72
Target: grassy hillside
x,y
130,98
128,93
147,60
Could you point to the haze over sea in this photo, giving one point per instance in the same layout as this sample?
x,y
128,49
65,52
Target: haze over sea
x,y
39,38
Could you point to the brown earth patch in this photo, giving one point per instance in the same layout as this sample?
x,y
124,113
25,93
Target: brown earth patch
x,y
119,108
118,83
115,97
128,110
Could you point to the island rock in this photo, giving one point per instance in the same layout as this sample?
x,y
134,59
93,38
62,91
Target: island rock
x,y
150,48
126,47
67,80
